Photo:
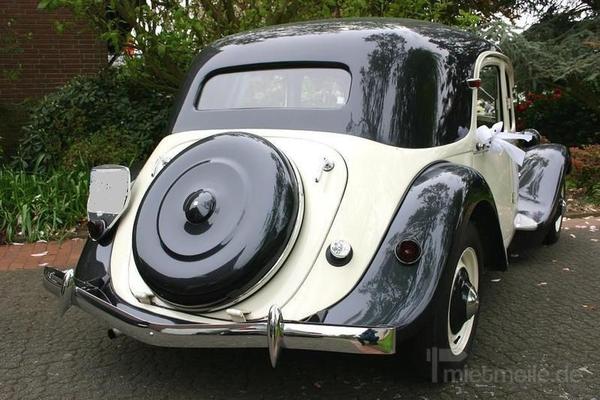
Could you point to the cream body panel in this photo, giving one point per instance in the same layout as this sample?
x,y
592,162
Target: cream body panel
x,y
321,201
375,177
499,170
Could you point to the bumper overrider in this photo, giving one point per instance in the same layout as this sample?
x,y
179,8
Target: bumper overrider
x,y
274,333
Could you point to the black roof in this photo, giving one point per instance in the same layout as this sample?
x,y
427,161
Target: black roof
x,y
353,31
408,78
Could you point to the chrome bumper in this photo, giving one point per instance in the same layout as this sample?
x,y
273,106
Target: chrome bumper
x,y
275,333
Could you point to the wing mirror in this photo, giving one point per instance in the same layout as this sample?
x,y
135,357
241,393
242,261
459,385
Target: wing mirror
x,y
108,198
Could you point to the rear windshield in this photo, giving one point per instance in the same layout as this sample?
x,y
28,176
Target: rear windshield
x,y
317,88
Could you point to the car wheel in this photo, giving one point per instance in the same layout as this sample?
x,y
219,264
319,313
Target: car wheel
x,y
554,229
441,348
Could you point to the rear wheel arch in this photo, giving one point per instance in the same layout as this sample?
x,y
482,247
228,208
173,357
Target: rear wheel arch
x,y
485,219
436,210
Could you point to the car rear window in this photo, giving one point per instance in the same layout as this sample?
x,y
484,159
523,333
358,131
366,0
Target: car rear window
x,y
317,88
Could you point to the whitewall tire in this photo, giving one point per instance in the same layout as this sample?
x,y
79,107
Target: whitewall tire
x,y
446,339
554,228
468,265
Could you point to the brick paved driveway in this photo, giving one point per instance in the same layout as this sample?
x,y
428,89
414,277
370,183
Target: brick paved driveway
x,y
539,337
37,255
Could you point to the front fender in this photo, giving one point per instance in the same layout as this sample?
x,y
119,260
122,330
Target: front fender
x,y
433,212
541,179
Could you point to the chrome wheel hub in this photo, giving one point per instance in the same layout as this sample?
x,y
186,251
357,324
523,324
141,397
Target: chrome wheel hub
x,y
472,302
464,301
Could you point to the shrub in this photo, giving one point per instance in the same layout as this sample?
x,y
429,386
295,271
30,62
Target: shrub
x,y
101,118
41,206
12,118
560,118
169,33
586,170
108,147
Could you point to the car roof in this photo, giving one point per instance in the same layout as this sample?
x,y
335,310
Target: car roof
x,y
354,31
383,57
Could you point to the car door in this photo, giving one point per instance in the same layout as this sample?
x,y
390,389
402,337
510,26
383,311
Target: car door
x,y
494,104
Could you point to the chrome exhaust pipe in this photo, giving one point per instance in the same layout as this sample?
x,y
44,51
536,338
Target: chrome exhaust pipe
x,y
114,333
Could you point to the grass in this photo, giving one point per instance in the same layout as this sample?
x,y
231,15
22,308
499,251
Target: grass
x,y
41,206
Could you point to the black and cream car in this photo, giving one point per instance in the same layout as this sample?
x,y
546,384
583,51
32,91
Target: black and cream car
x,y
333,185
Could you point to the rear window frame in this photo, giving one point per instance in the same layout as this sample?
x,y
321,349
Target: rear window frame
x,y
273,66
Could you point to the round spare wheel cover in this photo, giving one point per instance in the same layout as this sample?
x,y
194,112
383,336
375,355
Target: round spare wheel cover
x,y
216,220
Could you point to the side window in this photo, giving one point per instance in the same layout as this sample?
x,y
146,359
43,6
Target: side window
x,y
489,106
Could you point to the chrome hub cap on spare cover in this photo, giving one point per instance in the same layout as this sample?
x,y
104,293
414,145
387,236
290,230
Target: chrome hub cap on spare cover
x,y
464,301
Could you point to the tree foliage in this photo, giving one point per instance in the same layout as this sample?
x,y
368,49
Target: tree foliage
x,y
162,37
561,51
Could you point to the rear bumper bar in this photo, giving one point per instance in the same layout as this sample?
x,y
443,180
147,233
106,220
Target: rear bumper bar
x,y
274,334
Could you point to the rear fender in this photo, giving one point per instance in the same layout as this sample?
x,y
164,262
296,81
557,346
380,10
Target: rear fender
x,y
435,210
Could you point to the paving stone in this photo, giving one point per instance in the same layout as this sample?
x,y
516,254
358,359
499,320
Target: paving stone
x,y
35,255
549,334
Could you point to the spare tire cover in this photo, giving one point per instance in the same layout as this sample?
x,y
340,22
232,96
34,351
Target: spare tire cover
x,y
215,220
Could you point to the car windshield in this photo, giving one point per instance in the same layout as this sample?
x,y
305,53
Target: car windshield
x,y
315,88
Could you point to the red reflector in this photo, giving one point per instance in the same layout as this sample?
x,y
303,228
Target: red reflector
x,y
408,251
474,83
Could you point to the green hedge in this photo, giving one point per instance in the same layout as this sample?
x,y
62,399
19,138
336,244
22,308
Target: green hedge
x,y
560,118
106,118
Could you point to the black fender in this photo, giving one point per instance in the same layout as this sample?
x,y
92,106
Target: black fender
x,y
92,273
434,211
540,181
93,267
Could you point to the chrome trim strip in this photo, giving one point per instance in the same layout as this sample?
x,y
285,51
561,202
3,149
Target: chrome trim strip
x,y
273,334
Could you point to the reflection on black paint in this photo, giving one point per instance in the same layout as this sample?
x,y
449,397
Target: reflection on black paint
x,y
539,183
412,94
408,79
383,68
256,208
436,206
531,176
415,106
94,262
308,28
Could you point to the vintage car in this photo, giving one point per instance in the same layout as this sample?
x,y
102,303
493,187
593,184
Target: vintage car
x,y
333,185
